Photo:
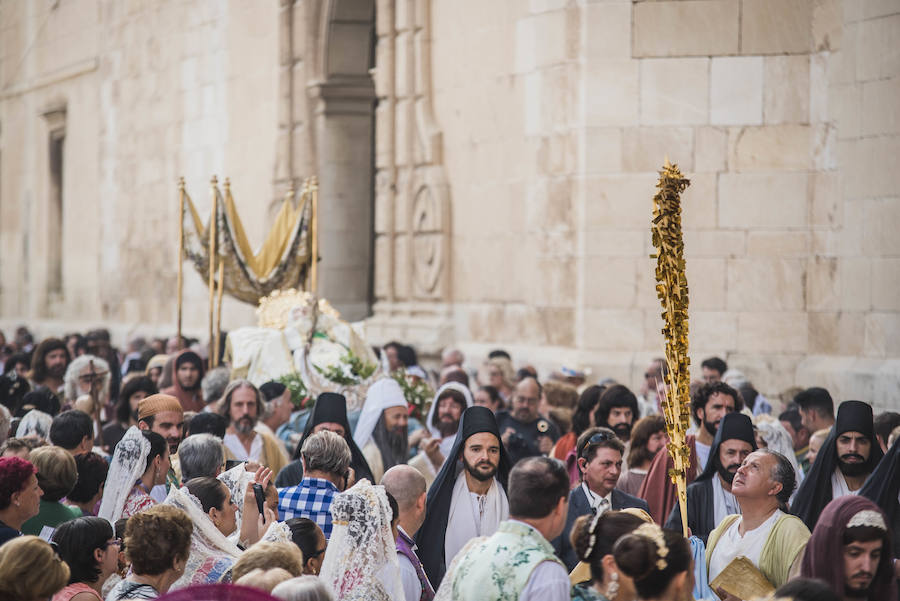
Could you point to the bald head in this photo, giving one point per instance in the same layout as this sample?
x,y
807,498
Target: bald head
x,y
405,483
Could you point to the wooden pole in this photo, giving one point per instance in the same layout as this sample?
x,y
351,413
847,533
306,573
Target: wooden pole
x,y
180,285
221,288
212,262
314,222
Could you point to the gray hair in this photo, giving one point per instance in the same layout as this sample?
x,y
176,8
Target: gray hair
x,y
303,588
326,452
784,473
405,483
74,370
214,383
200,455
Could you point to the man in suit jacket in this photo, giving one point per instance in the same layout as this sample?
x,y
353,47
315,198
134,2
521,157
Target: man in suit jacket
x,y
599,454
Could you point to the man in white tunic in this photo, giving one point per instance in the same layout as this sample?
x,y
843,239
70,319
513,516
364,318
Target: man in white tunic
x,y
770,538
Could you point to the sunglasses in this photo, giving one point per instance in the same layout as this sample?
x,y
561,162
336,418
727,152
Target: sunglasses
x,y
595,439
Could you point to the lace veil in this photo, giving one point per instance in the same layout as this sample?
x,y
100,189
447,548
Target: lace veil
x,y
361,560
236,479
212,554
128,464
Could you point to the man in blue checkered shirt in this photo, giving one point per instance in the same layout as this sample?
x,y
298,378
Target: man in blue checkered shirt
x,y
326,472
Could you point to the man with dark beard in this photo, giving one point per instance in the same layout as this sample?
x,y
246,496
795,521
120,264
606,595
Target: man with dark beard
x,y
847,457
242,405
48,366
468,497
442,422
850,550
617,410
709,405
709,497
381,431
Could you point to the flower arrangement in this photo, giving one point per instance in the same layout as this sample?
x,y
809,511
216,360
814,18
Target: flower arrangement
x,y
300,397
417,393
349,370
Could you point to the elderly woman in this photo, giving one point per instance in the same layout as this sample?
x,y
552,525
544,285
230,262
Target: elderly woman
x,y
30,570
201,455
91,551
141,461
303,588
56,475
20,496
157,543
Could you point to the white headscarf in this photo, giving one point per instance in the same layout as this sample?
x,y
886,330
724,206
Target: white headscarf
x,y
446,443
361,560
35,423
383,394
128,464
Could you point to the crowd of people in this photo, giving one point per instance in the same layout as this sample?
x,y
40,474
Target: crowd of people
x,y
140,474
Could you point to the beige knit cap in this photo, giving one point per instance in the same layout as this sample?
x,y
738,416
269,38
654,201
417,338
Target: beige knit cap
x,y
157,403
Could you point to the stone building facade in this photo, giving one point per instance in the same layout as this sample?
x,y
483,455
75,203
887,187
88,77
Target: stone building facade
x,y
486,169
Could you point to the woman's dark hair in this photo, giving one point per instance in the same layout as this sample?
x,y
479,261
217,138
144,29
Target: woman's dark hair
x,y
16,359
609,528
92,470
638,557
76,541
304,533
494,394
158,446
407,355
645,427
587,402
395,508
132,386
211,492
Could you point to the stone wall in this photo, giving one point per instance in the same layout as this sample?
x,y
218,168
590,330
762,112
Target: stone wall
x,y
150,92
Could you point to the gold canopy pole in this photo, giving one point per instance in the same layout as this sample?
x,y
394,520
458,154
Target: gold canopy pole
x,y
313,187
180,285
212,263
672,290
221,288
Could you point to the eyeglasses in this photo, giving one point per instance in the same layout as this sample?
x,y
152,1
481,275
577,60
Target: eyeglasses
x,y
116,541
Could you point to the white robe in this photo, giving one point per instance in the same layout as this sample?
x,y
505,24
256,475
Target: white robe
x,y
466,521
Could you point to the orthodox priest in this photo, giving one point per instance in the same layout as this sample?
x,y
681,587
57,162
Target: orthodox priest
x,y
883,488
381,431
847,457
329,413
712,489
468,496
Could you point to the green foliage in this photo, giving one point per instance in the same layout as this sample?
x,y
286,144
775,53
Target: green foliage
x,y
300,397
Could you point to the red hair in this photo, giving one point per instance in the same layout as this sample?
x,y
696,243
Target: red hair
x,y
14,473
